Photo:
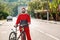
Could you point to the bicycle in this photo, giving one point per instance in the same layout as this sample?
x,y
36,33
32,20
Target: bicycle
x,y
14,36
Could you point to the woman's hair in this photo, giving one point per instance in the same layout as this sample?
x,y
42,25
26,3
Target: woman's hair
x,y
23,8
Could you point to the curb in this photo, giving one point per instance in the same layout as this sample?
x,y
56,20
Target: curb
x,y
2,22
51,22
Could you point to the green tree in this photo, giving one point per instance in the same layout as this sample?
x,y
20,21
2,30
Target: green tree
x,y
53,6
34,5
7,8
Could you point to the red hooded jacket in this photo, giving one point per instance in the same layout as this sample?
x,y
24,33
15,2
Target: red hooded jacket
x,y
23,16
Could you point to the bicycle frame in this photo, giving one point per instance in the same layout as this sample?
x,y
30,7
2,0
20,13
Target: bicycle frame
x,y
14,32
22,33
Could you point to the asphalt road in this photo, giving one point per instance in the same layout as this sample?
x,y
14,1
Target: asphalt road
x,y
39,30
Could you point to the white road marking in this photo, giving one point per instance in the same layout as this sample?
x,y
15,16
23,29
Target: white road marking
x,y
46,33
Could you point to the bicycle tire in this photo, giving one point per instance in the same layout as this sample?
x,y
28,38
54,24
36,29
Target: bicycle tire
x,y
14,37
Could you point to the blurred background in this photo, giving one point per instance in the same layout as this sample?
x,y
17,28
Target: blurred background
x,y
45,18
41,9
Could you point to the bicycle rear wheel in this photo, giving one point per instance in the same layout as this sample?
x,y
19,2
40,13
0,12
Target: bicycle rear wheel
x,y
23,36
12,36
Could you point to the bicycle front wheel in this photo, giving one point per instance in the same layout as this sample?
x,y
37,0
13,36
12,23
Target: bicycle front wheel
x,y
12,36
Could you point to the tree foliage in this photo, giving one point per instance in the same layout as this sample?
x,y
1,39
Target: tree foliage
x,y
54,5
35,4
7,8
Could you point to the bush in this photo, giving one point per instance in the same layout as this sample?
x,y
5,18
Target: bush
x,y
3,15
54,15
44,16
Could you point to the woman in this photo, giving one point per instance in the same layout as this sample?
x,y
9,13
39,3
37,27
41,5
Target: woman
x,y
24,16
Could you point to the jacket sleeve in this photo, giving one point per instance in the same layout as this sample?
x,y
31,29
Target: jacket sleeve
x,y
18,20
28,19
